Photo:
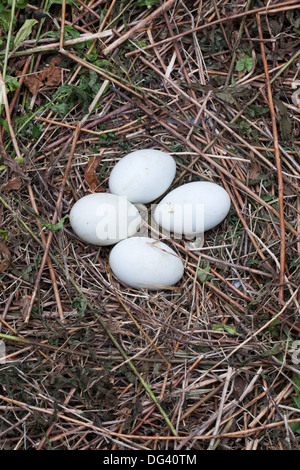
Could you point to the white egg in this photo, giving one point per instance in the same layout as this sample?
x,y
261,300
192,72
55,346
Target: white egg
x,y
104,219
143,175
145,263
192,208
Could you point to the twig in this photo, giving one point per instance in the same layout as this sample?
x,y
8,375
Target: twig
x,y
105,75
49,262
62,26
278,163
35,344
216,165
236,45
7,111
141,329
54,220
262,10
220,410
52,46
9,35
138,26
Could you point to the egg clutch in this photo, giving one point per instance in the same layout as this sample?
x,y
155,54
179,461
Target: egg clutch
x,y
114,218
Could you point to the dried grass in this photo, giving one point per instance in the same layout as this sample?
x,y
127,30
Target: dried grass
x,y
213,364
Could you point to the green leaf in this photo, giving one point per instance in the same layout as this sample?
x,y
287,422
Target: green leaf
x,y
36,131
92,56
24,31
296,401
226,96
103,170
240,65
244,126
4,234
295,427
146,3
274,327
51,34
222,327
61,108
203,273
80,304
11,83
258,110
276,349
59,2
244,63
296,380
22,4
5,125
248,61
72,31
47,439
102,62
19,3
69,32
5,20
55,227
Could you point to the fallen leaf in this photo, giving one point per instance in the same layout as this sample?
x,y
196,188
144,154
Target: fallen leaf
x,y
240,384
52,74
90,173
24,31
48,76
296,98
226,96
285,124
255,172
20,63
223,327
11,163
233,93
24,304
33,83
5,257
13,183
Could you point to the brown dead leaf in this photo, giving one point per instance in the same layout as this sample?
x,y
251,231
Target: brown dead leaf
x,y
19,63
11,163
24,303
52,74
240,384
13,183
254,172
285,123
33,83
296,98
90,174
48,76
5,257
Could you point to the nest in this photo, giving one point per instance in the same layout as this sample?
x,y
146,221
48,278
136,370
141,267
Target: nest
x,y
85,361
